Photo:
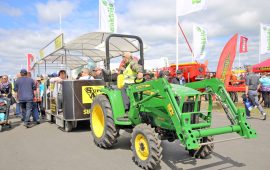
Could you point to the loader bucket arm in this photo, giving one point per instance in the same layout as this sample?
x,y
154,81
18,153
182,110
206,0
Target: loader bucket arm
x,y
186,132
237,116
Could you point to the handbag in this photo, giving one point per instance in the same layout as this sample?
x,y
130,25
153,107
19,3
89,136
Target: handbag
x,y
12,100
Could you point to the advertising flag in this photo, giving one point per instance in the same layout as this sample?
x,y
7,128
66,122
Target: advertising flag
x,y
185,7
199,41
265,39
226,60
30,59
243,44
107,16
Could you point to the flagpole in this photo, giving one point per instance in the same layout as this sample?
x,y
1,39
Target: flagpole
x,y
238,61
99,16
60,22
239,51
177,38
260,36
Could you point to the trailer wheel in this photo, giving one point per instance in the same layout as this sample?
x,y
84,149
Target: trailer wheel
x,y
102,123
205,150
68,126
145,146
1,128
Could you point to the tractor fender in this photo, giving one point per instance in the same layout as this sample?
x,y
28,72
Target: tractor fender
x,y
116,101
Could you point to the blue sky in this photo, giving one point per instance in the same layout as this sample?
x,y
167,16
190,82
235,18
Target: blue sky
x,y
26,26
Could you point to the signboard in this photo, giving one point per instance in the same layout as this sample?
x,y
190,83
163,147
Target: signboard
x,y
53,46
53,105
89,93
78,96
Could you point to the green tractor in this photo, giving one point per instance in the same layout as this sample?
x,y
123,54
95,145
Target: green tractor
x,y
163,111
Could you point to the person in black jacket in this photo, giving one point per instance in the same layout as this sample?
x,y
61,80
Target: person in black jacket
x,y
179,78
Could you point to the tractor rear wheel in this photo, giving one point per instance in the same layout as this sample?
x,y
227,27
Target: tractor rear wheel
x,y
102,123
145,146
204,150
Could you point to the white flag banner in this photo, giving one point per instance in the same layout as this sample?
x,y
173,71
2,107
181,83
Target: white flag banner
x,y
265,39
199,42
107,16
188,6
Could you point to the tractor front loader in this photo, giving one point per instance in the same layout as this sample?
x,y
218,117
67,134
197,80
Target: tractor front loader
x,y
162,111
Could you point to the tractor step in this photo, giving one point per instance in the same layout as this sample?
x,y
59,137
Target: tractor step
x,y
124,118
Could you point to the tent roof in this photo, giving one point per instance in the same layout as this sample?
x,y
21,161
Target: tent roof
x,y
90,45
71,62
262,67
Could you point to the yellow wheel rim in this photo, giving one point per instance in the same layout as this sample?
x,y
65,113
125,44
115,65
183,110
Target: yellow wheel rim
x,y
98,124
141,147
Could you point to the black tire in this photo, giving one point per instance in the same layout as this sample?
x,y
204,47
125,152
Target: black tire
x,y
150,158
109,134
205,150
68,126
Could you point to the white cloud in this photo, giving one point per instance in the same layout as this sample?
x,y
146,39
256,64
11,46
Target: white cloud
x,y
153,20
9,10
16,44
245,18
51,11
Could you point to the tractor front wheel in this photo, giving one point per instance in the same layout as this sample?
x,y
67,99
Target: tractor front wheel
x,y
145,146
204,150
102,123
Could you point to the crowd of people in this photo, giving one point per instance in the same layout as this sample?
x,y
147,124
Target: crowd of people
x,y
27,93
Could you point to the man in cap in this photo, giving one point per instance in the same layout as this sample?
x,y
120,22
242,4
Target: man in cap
x,y
132,72
24,87
179,78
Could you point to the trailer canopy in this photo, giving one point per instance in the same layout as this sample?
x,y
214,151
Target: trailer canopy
x,y
88,46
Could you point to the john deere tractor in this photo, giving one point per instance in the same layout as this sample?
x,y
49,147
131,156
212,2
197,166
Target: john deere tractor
x,y
163,111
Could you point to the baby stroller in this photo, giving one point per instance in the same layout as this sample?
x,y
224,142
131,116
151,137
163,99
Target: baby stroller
x,y
4,112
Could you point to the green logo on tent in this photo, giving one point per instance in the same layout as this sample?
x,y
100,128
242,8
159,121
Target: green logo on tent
x,y
203,40
196,2
105,3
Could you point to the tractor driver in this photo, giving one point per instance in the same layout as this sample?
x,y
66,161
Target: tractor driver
x,y
132,72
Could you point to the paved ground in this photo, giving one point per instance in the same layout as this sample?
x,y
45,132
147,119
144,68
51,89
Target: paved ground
x,y
45,147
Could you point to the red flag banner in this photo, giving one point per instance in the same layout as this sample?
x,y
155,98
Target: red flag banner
x,y
243,44
30,59
226,60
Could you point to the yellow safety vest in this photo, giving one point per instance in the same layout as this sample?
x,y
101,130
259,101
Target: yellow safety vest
x,y
129,75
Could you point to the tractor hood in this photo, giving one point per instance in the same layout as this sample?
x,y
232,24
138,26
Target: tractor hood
x,y
184,91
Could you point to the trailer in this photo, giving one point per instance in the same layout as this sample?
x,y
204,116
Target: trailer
x,y
77,94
